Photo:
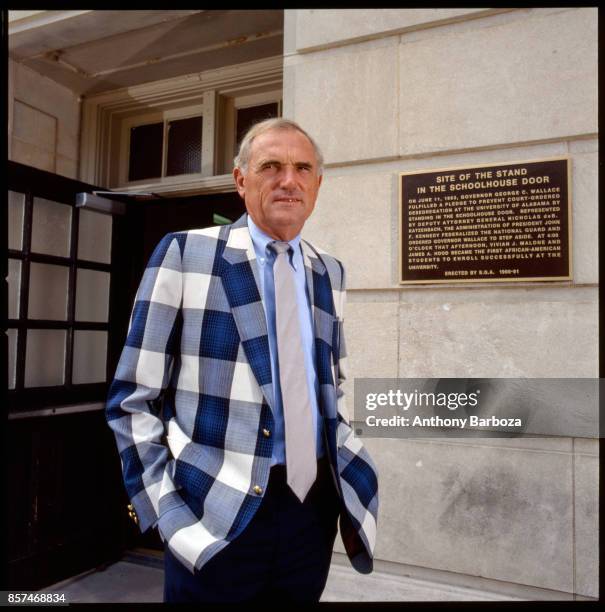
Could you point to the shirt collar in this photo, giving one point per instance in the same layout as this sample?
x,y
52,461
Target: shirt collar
x,y
260,240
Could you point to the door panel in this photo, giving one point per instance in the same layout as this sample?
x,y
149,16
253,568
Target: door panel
x,y
163,216
67,506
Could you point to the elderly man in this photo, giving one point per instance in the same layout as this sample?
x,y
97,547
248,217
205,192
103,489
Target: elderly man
x,y
250,460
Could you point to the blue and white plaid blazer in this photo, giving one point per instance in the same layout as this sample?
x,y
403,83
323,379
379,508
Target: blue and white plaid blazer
x,y
198,338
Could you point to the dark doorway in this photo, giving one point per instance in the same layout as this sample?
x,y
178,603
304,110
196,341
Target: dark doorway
x,y
152,220
67,510
63,508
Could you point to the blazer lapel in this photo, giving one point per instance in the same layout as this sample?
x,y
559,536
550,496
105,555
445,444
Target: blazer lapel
x,y
240,279
322,305
241,283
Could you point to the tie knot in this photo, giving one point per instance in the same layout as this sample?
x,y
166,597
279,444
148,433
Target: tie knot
x,y
279,247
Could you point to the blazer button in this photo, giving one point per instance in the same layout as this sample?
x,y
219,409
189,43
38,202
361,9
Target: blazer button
x,y
266,433
257,489
133,514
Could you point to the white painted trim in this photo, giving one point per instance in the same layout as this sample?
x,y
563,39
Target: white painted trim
x,y
100,112
209,133
38,19
184,185
266,97
254,72
159,116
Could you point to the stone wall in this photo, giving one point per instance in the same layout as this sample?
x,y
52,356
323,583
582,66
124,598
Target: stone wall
x,y
389,91
44,122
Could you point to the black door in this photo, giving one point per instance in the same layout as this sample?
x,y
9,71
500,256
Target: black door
x,y
148,221
73,274
63,503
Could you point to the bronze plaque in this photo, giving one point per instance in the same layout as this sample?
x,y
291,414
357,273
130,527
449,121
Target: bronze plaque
x,y
498,222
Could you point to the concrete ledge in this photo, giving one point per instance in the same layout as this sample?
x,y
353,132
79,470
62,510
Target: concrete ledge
x,y
344,584
401,582
139,579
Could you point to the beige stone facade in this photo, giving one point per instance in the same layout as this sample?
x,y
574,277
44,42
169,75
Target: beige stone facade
x,y
391,91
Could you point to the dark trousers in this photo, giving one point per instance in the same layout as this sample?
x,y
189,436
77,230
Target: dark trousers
x,y
283,554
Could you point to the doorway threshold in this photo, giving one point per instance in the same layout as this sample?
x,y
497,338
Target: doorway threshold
x,y
145,556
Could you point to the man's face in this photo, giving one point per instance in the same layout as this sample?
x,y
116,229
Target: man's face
x,y
281,183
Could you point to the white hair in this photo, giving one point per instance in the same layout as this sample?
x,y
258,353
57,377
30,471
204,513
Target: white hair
x,y
276,123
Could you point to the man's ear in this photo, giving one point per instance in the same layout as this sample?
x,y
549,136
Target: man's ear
x,y
321,176
240,182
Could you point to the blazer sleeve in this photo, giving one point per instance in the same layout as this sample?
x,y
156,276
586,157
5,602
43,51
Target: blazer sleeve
x,y
143,372
358,473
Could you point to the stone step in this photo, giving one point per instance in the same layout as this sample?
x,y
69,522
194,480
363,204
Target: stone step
x,y
139,577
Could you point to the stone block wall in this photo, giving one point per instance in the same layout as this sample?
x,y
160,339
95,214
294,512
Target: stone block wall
x,y
44,122
395,90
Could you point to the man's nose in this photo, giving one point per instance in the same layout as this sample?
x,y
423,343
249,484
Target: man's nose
x,y
288,176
